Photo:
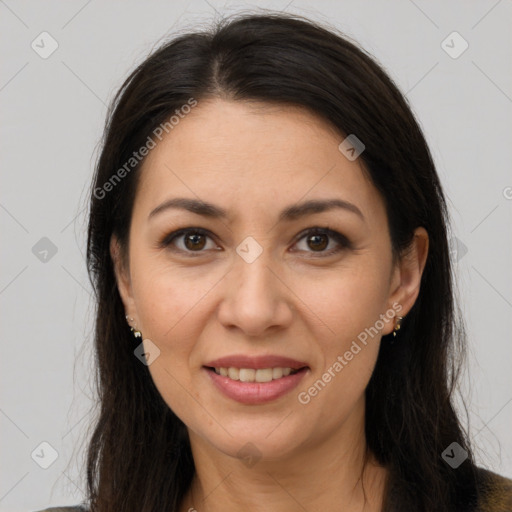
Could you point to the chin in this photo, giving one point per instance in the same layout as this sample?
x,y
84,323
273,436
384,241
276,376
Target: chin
x,y
253,441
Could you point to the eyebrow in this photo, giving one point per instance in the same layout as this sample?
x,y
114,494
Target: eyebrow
x,y
290,213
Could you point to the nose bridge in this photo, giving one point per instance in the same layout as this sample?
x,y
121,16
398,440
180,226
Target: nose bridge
x,y
253,272
255,301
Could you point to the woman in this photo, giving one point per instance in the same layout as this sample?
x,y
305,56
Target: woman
x,y
276,328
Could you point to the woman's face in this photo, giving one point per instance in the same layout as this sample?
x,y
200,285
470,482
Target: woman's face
x,y
254,286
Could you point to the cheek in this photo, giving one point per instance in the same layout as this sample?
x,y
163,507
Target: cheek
x,y
169,308
332,391
172,307
347,307
167,299
345,301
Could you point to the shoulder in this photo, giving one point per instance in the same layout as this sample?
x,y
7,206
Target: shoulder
x,y
77,508
495,492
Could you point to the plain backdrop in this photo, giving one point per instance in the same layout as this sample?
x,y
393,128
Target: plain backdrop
x,y
53,109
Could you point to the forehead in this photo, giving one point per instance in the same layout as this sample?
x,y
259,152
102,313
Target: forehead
x,y
252,154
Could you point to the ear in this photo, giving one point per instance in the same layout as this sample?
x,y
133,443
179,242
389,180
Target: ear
x,y
122,274
406,278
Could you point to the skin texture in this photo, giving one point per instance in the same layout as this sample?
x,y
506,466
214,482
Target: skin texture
x,y
254,160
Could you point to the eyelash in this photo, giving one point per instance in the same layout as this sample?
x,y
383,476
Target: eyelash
x,y
342,240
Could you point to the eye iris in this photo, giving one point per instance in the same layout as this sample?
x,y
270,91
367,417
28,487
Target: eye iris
x,y
194,239
316,238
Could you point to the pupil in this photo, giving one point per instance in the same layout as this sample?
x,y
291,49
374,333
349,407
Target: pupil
x,y
316,237
316,240
193,239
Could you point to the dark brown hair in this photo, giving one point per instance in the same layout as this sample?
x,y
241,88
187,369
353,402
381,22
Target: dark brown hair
x,y
139,457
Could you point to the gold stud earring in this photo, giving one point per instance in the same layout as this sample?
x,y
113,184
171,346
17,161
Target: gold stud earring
x,y
397,325
130,321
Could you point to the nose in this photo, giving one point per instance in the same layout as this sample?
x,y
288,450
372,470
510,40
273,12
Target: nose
x,y
256,299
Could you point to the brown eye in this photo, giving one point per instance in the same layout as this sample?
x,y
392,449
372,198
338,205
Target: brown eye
x,y
318,242
194,241
188,241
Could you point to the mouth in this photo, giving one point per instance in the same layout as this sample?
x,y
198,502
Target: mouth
x,y
255,381
260,375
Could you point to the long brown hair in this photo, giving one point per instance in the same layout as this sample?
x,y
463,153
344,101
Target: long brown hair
x,y
139,457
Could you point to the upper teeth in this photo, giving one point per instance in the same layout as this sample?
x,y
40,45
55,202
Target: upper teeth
x,y
252,375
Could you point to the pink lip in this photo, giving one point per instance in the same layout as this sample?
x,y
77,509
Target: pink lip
x,y
253,393
258,362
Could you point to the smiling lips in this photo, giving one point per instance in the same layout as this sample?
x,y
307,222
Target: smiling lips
x,y
253,375
255,380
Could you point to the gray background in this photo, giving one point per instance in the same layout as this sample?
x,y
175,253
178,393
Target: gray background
x,y
53,111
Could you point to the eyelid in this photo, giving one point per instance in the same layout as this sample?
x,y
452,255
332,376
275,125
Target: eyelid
x,y
342,241
167,240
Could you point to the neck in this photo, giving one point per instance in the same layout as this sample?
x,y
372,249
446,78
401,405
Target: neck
x,y
331,474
